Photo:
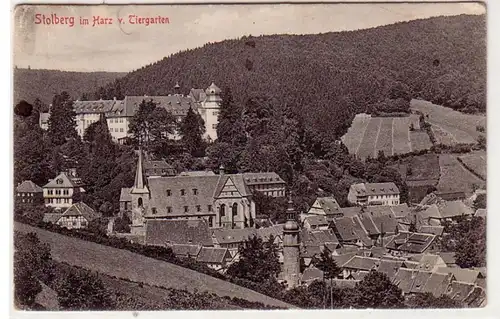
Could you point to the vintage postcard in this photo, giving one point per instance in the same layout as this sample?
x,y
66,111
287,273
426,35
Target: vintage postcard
x,y
249,156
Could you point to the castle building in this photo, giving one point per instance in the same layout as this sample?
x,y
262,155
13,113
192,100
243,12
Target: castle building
x,y
291,247
223,200
119,112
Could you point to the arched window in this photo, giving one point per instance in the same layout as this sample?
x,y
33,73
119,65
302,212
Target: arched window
x,y
139,202
235,209
222,212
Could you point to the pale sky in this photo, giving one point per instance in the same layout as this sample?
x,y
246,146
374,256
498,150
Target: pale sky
x,y
125,47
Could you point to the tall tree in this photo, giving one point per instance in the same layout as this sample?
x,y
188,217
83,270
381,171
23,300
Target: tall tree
x,y
192,129
151,126
377,291
62,120
230,128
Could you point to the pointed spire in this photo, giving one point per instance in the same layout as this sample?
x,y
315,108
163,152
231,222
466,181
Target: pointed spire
x,y
139,185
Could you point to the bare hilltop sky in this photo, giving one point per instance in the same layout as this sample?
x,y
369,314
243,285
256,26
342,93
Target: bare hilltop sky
x,y
131,44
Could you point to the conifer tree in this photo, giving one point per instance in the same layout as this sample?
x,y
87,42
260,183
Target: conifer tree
x,y
62,121
191,131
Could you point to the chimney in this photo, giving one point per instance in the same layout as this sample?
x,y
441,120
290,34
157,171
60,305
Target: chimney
x,y
221,169
114,98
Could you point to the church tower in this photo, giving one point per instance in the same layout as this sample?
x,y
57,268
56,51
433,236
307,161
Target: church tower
x,y
291,247
209,111
139,195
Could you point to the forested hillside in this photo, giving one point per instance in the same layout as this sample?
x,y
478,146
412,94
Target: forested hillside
x,y
44,84
327,78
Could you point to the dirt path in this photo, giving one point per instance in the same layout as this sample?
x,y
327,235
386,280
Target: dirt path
x,y
127,265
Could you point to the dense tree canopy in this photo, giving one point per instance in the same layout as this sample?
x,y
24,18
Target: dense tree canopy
x,y
191,131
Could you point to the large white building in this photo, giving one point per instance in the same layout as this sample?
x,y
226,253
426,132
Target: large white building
x,y
119,112
374,194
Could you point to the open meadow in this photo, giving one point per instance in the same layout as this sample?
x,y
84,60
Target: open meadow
x,y
392,135
449,126
456,177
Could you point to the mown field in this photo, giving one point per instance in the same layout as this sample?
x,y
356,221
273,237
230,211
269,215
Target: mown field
x,y
455,177
476,162
450,127
134,267
369,135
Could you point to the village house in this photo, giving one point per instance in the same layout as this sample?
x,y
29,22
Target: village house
x,y
77,216
119,113
62,191
350,232
374,194
323,206
215,258
315,222
29,192
223,200
407,243
358,267
435,214
185,250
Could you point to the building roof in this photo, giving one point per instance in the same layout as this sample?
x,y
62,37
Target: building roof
x,y
198,94
448,257
341,260
427,262
311,274
183,250
164,232
316,220
343,283
404,279
212,255
63,180
158,186
176,104
419,281
149,165
411,242
370,189
310,251
348,230
389,267
461,274
350,211
51,217
437,284
323,237
446,209
98,106
225,236
125,194
362,263
434,230
262,178
197,173
481,212
459,290
81,209
328,204
28,187
44,118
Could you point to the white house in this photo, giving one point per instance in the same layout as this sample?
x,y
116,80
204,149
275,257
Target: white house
x,y
374,194
60,192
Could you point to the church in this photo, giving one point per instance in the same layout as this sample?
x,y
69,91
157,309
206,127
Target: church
x,y
222,200
118,113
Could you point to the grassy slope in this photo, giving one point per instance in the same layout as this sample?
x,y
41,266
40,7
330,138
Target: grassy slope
x,y
43,84
135,267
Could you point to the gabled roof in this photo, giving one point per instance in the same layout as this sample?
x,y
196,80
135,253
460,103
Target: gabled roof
x,y
311,273
389,267
370,189
420,281
125,194
343,283
81,209
428,261
459,290
63,181
341,260
28,187
404,279
461,274
166,232
212,255
348,230
198,94
437,284
98,106
176,104
481,212
362,263
51,217
310,251
401,210
324,236
411,242
448,257
447,209
350,211
328,204
235,179
183,250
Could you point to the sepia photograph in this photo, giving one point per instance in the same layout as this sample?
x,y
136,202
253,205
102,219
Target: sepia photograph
x,y
249,156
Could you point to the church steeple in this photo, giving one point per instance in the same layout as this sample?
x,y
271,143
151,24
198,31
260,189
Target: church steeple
x,y
139,183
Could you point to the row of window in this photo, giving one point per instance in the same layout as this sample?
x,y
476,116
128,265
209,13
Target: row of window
x,y
383,196
73,223
214,126
215,113
116,130
186,209
183,192
116,120
25,194
58,192
57,200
